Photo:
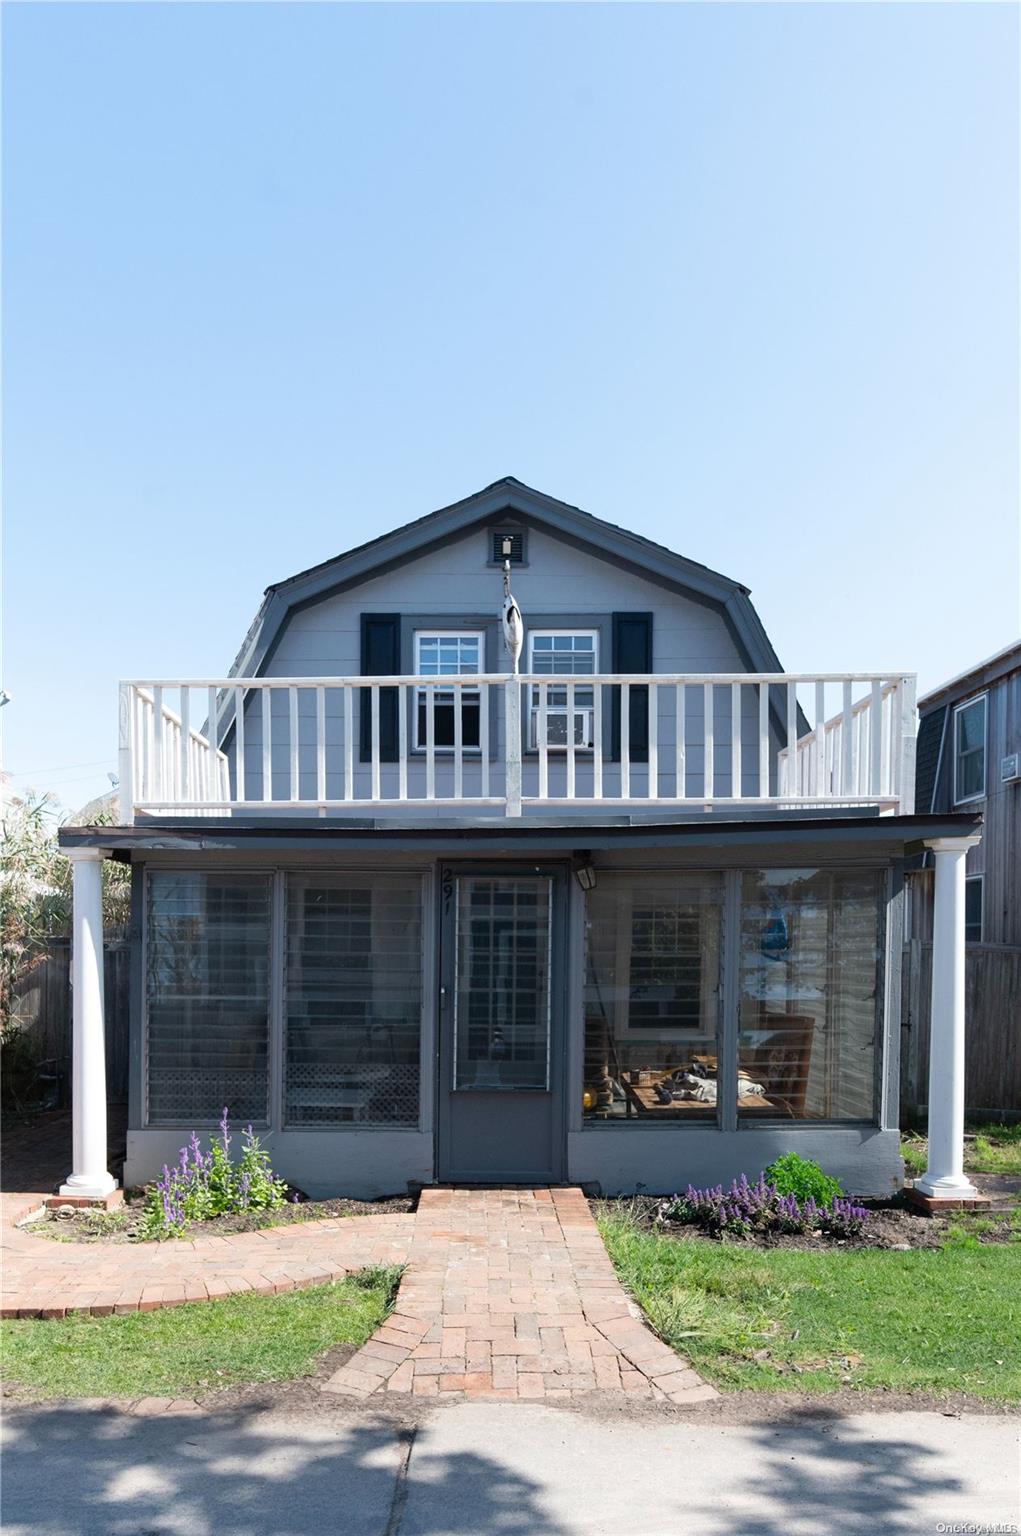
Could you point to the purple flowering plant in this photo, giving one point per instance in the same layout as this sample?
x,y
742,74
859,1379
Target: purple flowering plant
x,y
203,1184
744,1208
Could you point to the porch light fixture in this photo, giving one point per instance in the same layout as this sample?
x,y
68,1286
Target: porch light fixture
x,y
585,873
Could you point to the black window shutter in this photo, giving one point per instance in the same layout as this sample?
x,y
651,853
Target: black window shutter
x,y
632,652
381,657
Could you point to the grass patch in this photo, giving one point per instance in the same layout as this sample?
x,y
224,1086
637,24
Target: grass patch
x,y
182,1351
995,1149
938,1321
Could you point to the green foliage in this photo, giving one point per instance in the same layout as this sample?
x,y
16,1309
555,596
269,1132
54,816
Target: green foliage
x,y
206,1184
181,1351
933,1320
799,1176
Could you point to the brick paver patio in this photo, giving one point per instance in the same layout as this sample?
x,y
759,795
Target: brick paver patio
x,y
507,1293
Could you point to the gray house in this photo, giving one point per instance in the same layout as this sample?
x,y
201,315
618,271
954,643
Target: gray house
x,y
446,884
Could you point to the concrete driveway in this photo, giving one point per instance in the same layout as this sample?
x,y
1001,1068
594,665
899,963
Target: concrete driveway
x,y
511,1469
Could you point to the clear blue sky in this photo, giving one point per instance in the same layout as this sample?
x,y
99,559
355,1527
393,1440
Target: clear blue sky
x,y
280,278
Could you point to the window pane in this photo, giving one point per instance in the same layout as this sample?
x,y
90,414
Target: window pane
x,y
811,943
970,769
973,910
654,951
353,1003
502,988
207,988
971,725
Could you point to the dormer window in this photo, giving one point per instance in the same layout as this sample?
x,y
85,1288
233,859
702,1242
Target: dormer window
x,y
448,653
506,544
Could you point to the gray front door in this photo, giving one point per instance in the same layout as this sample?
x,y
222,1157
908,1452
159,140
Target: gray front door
x,y
501,1026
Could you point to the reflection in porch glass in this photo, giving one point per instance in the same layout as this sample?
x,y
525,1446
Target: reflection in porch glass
x,y
352,999
652,997
810,950
502,988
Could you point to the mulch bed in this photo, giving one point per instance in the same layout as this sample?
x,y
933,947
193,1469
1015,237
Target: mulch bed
x,y
122,1226
893,1225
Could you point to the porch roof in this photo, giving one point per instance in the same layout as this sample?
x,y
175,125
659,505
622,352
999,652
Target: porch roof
x,y
463,834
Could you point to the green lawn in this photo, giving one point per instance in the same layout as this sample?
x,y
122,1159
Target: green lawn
x,y
995,1149
940,1320
186,1350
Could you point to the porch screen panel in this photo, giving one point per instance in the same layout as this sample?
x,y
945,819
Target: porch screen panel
x,y
352,1000
811,973
652,997
207,997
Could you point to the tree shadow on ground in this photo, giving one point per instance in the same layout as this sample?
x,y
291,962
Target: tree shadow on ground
x,y
96,1472
818,1471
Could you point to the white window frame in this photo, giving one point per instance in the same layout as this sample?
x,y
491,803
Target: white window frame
x,y
478,635
983,699
969,880
587,711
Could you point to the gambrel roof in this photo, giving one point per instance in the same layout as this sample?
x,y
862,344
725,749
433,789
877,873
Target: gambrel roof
x,y
507,498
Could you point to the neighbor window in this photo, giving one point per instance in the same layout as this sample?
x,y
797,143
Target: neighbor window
x,y
562,653
973,909
652,997
352,999
970,750
811,944
207,997
448,653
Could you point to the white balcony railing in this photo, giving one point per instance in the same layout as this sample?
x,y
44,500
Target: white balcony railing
x,y
330,745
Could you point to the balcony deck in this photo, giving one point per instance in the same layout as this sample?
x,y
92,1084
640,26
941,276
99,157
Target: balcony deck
x,y
513,746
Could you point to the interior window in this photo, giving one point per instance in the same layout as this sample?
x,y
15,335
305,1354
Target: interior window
x,y
970,750
562,653
440,653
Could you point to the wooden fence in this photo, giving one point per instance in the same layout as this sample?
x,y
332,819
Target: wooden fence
x,y
42,1007
993,1015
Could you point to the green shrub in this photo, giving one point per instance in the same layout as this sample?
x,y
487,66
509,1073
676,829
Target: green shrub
x,y
207,1184
799,1176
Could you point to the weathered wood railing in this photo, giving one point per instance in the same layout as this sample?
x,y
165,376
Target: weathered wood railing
x,y
334,744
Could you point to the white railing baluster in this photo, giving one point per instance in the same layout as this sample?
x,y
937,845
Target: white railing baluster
x,y
736,787
876,738
292,734
653,707
403,699
349,741
484,737
791,765
597,741
680,733
457,695
846,744
542,741
512,716
625,741
430,743
321,746
374,740
819,786
570,741
763,741
239,744
708,771
184,745
267,745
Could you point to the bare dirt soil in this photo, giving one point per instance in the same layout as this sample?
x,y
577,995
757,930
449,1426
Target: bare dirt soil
x,y
122,1225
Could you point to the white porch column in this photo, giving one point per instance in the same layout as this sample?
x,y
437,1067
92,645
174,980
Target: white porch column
x,y
89,1176
944,1178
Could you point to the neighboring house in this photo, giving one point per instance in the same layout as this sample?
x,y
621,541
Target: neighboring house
x,y
969,758
631,915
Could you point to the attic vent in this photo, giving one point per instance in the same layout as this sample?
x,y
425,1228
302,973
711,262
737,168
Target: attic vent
x,y
507,544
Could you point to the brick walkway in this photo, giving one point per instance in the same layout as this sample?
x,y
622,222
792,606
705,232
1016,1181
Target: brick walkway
x,y
510,1294
507,1293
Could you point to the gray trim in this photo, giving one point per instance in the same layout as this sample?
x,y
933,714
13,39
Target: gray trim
x,y
889,1021
893,834
136,1001
627,550
576,960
